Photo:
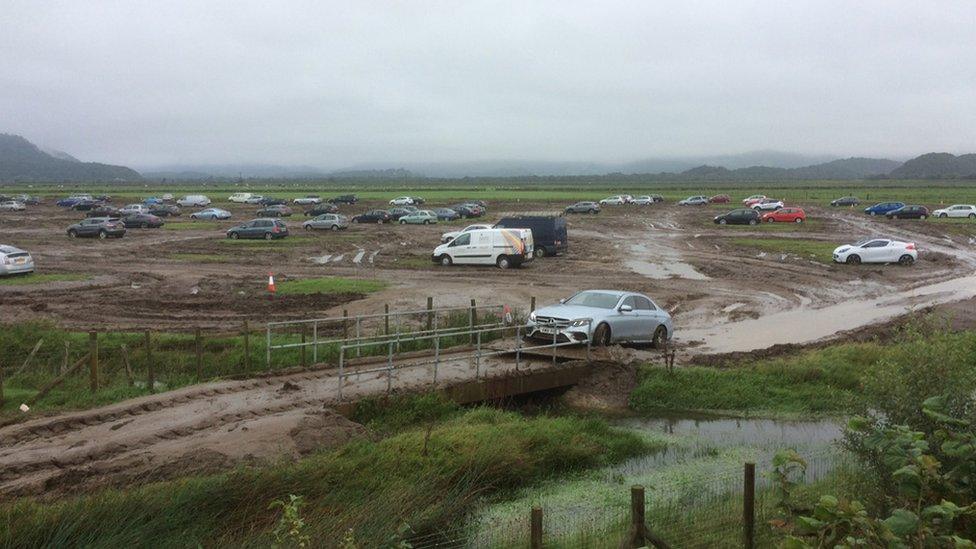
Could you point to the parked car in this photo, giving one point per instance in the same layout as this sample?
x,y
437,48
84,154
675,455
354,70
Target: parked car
x,y
876,250
102,227
240,198
165,210
397,213
749,201
167,197
785,215
742,216
276,210
767,204
344,199
549,236
402,201
845,201
211,213
373,216
268,229
308,199
446,214
329,221
102,198
254,199
644,200
142,221
449,236
103,210
883,208
85,205
616,200
152,200
417,200
957,210
133,209
272,201
583,207
468,210
602,317
503,248
72,200
15,261
195,200
694,201
26,199
11,205
323,208
419,217
720,199
909,212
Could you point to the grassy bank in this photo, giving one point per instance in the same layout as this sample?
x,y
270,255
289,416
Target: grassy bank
x,y
365,491
817,250
831,380
330,284
42,278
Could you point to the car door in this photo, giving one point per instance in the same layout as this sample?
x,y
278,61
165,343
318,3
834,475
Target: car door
x,y
648,319
875,251
460,249
626,324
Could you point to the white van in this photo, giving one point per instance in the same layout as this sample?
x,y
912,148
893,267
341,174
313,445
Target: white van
x,y
239,197
194,200
502,247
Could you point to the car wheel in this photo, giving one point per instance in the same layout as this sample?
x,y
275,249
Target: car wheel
x,y
379,221
601,336
402,222
873,214
943,216
769,220
446,260
307,227
267,236
660,336
503,262
144,226
853,259
73,233
798,220
722,222
102,235
234,236
752,221
906,260
972,216
593,212
540,253
335,227
426,222
922,217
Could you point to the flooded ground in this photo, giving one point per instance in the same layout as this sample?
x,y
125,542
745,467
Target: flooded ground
x,y
702,458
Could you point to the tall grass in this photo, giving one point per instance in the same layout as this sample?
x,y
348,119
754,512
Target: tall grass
x,y
426,480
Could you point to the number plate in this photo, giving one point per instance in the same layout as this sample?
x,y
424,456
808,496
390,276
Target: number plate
x,y
20,261
550,331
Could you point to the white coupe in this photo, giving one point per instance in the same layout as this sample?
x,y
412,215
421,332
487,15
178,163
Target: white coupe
x,y
877,250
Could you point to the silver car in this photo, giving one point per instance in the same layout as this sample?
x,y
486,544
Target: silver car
x,y
327,221
15,261
604,317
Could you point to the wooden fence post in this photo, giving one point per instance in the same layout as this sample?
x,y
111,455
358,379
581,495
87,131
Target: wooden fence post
x,y
30,357
472,321
386,319
93,368
247,347
345,324
304,362
430,313
151,378
1,386
199,348
536,537
749,506
637,516
64,361
125,363
532,304
57,381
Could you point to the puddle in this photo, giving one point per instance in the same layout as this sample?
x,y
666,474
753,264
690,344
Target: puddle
x,y
805,325
668,264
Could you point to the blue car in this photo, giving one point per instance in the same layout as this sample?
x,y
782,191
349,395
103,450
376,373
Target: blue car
x,y
446,214
152,200
883,208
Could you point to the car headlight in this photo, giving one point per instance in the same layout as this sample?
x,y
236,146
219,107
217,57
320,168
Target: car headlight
x,y
532,316
579,322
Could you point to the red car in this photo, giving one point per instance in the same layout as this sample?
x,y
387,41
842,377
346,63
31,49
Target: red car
x,y
785,215
720,199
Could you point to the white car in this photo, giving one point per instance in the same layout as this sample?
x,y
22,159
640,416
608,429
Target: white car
x,y
447,237
957,210
240,198
254,199
503,248
15,261
307,200
211,213
754,198
134,209
694,201
12,205
167,197
877,250
614,200
768,204
194,200
402,201
643,201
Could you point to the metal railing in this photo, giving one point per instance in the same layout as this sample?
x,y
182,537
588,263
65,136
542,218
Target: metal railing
x,y
477,354
390,324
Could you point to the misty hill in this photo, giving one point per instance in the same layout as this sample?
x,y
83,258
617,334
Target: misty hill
x,y
937,166
232,171
21,160
848,168
393,173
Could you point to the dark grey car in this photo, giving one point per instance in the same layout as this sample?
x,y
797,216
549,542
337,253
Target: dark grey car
x,y
267,229
584,208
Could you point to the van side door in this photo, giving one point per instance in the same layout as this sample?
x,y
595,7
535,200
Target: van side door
x,y
460,249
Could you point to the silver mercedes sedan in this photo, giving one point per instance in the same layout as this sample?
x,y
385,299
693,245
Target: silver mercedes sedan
x,y
327,221
604,317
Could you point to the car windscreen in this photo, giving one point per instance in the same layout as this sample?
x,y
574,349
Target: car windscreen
x,y
598,300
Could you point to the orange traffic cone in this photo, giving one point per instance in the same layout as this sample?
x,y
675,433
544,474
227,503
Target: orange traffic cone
x,y
271,284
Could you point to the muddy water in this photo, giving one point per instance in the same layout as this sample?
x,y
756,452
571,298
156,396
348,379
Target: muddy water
x,y
805,325
660,263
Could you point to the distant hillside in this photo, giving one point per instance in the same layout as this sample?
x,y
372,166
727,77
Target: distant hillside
x,y
21,160
393,173
937,166
848,168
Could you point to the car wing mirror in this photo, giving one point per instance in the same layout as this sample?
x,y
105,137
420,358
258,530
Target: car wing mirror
x,y
562,301
626,308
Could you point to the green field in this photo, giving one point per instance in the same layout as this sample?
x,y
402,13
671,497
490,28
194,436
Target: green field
x,y
816,250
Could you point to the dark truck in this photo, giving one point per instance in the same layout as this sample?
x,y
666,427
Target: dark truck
x,y
548,232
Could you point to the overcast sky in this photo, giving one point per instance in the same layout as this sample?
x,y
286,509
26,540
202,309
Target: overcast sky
x,y
332,84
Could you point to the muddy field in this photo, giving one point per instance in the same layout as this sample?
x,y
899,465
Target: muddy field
x,y
188,274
